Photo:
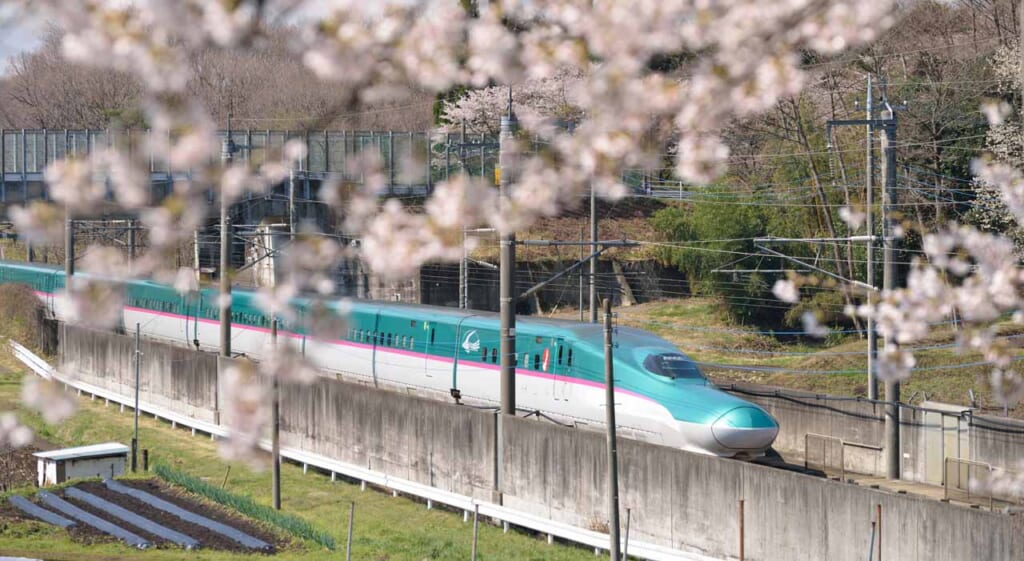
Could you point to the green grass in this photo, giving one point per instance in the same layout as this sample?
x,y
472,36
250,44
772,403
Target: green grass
x,y
385,528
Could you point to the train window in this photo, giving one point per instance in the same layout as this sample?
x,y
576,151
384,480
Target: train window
x,y
672,365
536,362
412,343
560,349
405,341
494,355
483,354
569,359
526,359
431,336
389,340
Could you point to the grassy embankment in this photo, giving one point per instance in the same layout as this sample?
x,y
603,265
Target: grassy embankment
x,y
385,529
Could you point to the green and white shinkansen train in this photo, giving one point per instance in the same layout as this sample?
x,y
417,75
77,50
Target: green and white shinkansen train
x,y
443,353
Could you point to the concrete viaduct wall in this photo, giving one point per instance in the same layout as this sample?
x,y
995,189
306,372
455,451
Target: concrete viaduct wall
x,y
676,499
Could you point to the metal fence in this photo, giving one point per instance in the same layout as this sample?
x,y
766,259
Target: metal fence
x,y
832,458
976,482
413,160
28,151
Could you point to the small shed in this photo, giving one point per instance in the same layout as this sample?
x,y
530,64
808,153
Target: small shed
x,y
96,460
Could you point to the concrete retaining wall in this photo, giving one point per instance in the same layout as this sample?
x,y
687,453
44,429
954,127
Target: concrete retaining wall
x,y
676,499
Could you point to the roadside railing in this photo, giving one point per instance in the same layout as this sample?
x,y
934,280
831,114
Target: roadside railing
x,y
832,447
973,482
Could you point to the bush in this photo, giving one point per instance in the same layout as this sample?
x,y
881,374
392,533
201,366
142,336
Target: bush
x,y
22,313
245,505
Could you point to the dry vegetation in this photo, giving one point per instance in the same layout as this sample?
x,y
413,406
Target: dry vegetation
x,y
262,88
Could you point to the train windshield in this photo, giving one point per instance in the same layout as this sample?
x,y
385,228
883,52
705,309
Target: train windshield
x,y
673,365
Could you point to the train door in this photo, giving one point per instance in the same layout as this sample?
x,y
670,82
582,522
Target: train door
x,y
377,337
188,311
428,350
470,343
555,360
51,291
198,306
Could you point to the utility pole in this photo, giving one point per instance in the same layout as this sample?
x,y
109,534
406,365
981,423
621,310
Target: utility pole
x,y
892,387
507,275
581,275
275,427
69,249
593,250
869,185
888,125
135,435
613,461
226,155
463,270
291,202
131,244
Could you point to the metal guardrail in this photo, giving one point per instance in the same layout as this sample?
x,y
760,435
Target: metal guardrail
x,y
540,524
960,478
963,480
843,445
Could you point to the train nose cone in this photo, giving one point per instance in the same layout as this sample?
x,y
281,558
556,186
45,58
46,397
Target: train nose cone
x,y
745,428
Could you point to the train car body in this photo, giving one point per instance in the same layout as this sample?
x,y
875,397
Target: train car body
x,y
446,353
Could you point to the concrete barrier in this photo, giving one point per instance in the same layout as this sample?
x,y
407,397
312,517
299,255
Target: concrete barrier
x,y
929,433
679,500
443,445
689,502
175,378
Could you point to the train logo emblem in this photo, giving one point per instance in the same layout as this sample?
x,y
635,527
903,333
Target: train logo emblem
x,y
472,342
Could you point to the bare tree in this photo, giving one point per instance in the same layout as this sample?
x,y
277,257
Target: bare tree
x,y
46,91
